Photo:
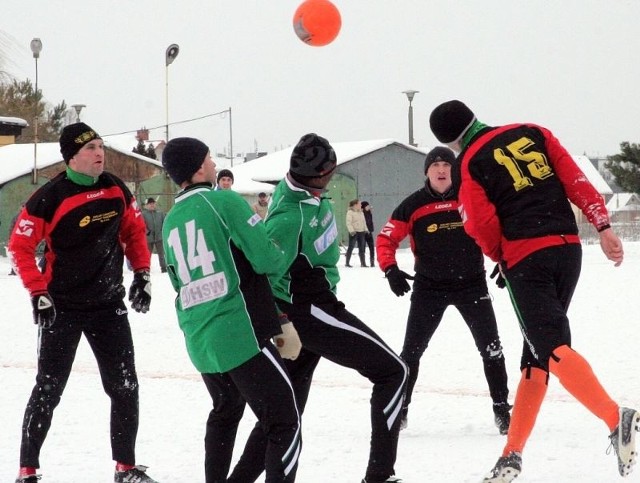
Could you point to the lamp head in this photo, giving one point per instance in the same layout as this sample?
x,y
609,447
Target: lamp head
x,y
36,47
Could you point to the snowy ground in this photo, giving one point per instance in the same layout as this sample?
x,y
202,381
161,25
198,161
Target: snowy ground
x,y
450,439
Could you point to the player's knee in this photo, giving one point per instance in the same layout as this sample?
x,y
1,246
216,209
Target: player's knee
x,y
493,351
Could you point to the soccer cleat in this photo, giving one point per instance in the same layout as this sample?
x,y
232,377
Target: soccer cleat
x,y
27,474
623,440
137,474
391,479
501,417
507,469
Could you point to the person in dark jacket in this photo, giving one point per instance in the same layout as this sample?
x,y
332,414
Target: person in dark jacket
x,y
368,237
517,181
85,216
225,180
449,270
153,219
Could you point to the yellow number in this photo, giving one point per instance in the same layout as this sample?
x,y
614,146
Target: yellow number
x,y
536,163
519,180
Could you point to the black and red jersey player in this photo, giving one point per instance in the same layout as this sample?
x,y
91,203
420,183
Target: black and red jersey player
x,y
89,221
449,270
517,181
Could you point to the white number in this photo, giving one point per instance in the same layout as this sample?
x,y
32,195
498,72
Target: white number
x,y
198,255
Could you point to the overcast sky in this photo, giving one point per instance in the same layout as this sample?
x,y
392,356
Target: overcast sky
x,y
571,65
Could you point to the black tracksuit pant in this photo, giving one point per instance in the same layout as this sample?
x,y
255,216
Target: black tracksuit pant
x,y
541,288
109,336
474,304
330,331
263,383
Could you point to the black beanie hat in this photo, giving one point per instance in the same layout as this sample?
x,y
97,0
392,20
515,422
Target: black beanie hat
x,y
73,137
225,172
182,157
439,153
312,157
364,204
450,120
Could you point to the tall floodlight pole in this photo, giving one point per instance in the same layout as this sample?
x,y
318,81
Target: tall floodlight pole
x,y
410,94
170,55
36,48
230,137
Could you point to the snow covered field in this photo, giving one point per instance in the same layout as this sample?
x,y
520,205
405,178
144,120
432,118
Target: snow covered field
x,y
451,437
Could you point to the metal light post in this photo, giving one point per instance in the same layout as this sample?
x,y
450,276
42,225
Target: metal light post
x,y
36,48
170,55
230,138
410,93
78,108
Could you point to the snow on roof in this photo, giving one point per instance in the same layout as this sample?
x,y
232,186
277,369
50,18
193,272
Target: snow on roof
x,y
623,202
16,121
17,159
273,167
249,178
592,174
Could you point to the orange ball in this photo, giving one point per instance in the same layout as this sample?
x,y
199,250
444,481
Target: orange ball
x,y
317,22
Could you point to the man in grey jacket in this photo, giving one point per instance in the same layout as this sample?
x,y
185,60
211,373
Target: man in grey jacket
x,y
154,218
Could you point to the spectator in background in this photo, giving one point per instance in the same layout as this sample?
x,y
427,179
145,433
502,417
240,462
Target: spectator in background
x,y
368,237
357,228
260,206
154,218
224,180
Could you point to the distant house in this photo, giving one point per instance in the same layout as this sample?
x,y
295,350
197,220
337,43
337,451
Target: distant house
x,y
382,172
143,175
596,179
624,207
10,129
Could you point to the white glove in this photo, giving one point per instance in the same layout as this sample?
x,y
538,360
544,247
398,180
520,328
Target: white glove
x,y
288,343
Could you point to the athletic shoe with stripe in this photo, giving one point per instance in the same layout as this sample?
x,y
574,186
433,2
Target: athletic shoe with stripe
x,y
623,440
391,479
136,474
507,469
28,479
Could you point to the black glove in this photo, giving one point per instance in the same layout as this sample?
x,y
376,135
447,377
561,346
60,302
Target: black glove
x,y
398,280
500,281
44,311
140,291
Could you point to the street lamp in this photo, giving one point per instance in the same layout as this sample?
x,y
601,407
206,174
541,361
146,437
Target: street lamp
x,y
230,138
410,93
78,108
36,48
170,55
